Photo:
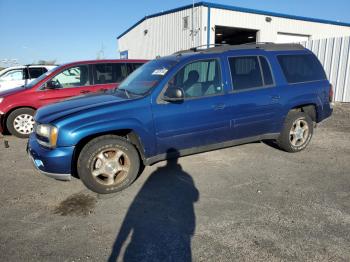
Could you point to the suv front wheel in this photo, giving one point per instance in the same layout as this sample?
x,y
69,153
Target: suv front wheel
x,y
108,164
297,132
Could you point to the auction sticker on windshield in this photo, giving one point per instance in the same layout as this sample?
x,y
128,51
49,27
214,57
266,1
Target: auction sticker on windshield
x,y
160,72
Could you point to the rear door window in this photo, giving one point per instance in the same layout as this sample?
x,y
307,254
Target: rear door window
x,y
245,72
301,68
104,73
35,72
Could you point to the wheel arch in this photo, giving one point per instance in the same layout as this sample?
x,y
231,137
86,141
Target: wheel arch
x,y
8,113
309,108
130,134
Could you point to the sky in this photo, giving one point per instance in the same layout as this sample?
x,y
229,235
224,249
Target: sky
x,y
69,30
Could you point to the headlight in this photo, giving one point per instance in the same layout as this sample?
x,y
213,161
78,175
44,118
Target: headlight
x,y
1,99
47,135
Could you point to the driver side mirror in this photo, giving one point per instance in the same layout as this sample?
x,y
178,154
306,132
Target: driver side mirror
x,y
174,95
52,85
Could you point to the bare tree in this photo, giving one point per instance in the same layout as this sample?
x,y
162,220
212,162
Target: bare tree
x,y
46,62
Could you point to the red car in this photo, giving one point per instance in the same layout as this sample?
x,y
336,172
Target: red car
x,y
18,105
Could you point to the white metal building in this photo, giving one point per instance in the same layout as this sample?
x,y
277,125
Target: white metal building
x,y
208,23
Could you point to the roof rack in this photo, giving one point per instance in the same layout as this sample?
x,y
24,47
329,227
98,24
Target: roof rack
x,y
268,46
197,49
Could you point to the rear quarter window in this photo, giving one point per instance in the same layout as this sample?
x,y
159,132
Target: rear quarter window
x,y
301,68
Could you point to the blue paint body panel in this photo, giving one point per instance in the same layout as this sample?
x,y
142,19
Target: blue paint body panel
x,y
194,123
58,161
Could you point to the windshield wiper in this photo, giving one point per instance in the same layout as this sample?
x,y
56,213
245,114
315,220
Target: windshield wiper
x,y
129,93
125,91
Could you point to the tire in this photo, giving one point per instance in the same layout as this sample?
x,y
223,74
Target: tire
x,y
108,164
297,132
20,122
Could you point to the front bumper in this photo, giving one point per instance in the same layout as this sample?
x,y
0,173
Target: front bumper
x,y
2,122
55,163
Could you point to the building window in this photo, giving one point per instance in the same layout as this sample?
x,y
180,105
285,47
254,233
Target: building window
x,y
185,22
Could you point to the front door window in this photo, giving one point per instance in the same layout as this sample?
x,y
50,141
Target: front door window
x,y
72,77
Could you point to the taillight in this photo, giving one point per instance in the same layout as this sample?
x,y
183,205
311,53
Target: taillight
x,y
331,93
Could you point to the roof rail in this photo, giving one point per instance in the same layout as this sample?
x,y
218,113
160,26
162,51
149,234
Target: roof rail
x,y
268,46
197,49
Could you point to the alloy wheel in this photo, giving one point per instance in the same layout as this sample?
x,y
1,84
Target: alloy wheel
x,y
110,166
24,124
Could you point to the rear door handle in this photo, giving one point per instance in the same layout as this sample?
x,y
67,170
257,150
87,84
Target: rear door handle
x,y
219,107
275,98
84,91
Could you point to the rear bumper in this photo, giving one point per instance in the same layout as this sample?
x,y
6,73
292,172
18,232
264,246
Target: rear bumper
x,y
324,112
55,163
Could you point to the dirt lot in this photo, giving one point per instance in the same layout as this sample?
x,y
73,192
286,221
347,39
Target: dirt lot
x,y
250,202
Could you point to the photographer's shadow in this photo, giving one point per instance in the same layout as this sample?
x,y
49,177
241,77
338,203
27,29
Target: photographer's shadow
x,y
160,222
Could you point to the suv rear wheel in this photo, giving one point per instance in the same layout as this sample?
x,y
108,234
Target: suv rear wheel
x,y
297,132
108,164
20,122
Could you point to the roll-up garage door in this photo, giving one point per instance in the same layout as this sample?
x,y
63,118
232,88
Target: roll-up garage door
x,y
291,38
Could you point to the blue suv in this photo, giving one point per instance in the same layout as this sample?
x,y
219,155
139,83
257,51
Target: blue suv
x,y
190,102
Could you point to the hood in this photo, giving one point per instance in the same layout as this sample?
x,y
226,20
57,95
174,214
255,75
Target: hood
x,y
65,108
11,91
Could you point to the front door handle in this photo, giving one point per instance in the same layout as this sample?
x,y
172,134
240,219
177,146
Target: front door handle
x,y
84,91
219,107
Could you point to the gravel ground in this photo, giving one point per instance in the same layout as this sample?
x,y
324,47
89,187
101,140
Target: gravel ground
x,y
251,202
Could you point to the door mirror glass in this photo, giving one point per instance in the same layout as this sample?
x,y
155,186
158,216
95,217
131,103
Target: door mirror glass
x,y
51,84
173,94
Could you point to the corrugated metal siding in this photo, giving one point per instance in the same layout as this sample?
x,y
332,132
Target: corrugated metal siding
x,y
334,55
165,35
268,31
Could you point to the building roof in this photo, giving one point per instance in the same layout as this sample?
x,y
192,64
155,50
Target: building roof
x,y
238,9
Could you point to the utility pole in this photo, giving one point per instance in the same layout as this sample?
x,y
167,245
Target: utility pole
x,y
192,30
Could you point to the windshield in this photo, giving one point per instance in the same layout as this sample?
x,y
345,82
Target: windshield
x,y
142,80
37,80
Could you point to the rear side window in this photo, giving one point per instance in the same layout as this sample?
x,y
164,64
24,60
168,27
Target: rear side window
x,y
35,72
301,68
245,72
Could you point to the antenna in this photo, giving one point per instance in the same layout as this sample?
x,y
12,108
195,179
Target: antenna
x,y
101,52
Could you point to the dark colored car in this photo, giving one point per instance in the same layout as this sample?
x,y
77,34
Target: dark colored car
x,y
189,102
18,105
